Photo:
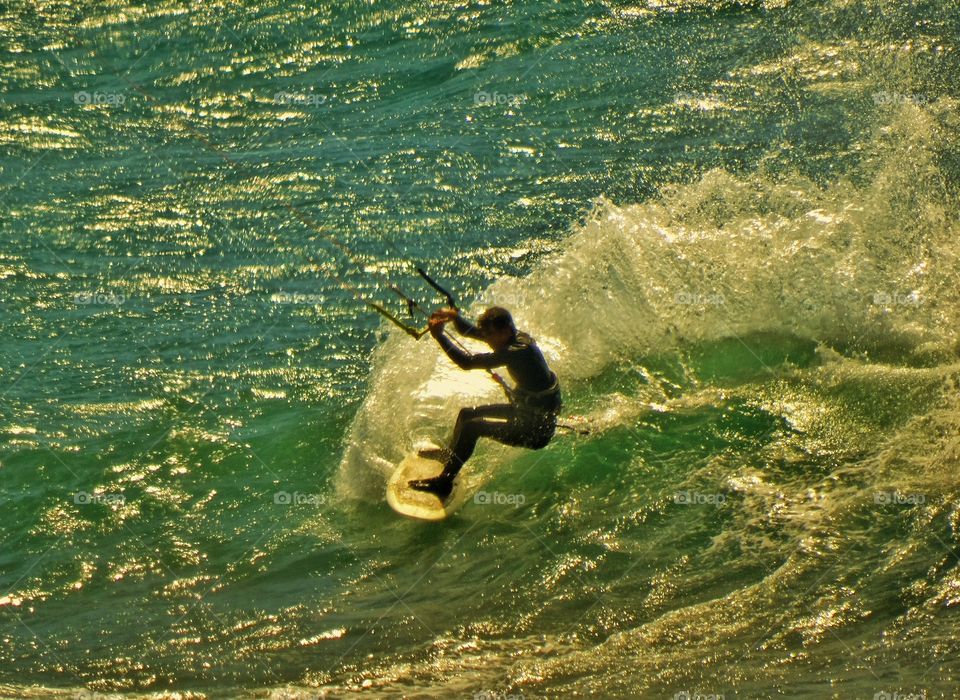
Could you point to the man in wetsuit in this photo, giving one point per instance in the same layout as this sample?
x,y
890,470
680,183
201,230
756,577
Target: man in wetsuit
x,y
529,420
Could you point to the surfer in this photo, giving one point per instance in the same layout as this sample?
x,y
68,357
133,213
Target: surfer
x,y
529,420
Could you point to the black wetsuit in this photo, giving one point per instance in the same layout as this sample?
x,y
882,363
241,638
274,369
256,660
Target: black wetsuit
x,y
530,420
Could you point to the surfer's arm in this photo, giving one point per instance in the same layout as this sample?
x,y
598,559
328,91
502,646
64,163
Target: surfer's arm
x,y
466,360
466,327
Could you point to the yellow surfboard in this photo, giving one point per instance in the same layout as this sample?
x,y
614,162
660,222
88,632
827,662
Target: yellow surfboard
x,y
413,503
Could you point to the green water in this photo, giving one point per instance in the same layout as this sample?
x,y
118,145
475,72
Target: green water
x,y
731,226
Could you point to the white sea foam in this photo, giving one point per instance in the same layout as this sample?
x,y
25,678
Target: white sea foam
x,y
859,267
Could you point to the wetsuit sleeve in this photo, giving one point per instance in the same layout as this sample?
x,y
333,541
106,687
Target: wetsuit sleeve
x,y
467,328
466,360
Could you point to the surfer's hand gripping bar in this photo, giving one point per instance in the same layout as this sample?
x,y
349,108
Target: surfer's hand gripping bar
x,y
417,334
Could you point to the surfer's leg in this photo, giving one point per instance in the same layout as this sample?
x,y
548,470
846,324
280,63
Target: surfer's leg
x,y
493,421
443,454
504,423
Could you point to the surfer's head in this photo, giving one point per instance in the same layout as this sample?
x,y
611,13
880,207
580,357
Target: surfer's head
x,y
496,325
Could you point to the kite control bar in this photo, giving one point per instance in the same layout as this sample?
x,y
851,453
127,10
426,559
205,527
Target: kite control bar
x,y
417,334
412,305
433,283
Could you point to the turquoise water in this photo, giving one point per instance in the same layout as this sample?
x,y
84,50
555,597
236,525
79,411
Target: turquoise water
x,y
732,227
